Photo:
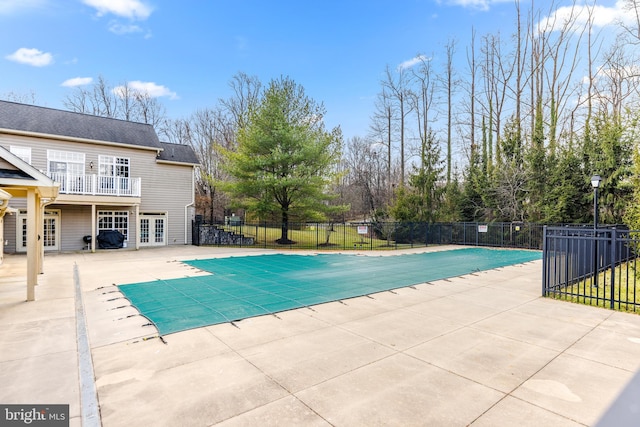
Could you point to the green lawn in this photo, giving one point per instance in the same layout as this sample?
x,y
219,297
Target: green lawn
x,y
338,236
598,291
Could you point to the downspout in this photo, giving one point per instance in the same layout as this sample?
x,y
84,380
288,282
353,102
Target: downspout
x,y
186,208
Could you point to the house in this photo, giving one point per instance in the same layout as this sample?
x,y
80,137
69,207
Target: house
x,y
108,174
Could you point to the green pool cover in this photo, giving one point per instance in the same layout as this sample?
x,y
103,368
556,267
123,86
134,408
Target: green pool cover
x,y
247,286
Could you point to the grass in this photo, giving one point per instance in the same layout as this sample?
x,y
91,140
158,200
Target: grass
x,y
623,296
339,237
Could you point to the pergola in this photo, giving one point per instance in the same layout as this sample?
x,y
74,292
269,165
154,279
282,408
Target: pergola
x,y
19,179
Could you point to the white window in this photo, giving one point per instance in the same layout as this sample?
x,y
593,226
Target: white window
x,y
114,166
22,152
67,168
65,162
114,220
114,172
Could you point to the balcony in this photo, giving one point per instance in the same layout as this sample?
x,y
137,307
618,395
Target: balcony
x,y
97,185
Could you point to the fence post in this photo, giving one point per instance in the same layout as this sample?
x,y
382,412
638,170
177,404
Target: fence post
x,y
344,236
395,235
613,243
545,263
426,234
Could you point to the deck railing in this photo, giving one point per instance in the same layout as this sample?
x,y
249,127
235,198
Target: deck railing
x,y
97,185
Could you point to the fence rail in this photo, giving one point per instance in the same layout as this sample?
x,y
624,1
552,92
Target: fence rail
x,y
370,236
592,266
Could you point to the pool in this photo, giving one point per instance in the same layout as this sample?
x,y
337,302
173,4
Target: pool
x,y
248,286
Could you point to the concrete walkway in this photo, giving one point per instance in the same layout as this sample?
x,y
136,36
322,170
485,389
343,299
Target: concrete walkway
x,y
482,349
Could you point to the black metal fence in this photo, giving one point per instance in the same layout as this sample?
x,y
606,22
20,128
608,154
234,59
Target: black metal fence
x,y
369,235
595,267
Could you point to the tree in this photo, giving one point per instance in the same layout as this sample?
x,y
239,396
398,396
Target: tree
x,y
382,128
632,214
450,83
285,158
122,102
400,94
421,200
609,154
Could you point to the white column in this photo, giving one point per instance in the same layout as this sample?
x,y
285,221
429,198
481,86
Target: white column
x,y
32,244
137,221
40,240
93,228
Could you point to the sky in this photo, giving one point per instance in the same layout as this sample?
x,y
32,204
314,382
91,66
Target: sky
x,y
187,52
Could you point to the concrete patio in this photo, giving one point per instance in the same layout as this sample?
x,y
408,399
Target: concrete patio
x,y
482,349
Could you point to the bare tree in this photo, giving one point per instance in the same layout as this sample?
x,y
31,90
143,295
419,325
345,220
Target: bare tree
x,y
79,101
450,83
205,131
22,98
423,101
471,61
103,100
561,41
399,92
149,110
617,82
365,176
246,93
122,102
631,28
382,129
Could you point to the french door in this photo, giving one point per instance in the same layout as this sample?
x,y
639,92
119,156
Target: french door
x,y
51,235
153,229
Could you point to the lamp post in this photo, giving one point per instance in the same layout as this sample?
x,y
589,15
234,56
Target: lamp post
x,y
595,183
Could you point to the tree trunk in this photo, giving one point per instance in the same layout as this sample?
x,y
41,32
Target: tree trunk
x,y
284,229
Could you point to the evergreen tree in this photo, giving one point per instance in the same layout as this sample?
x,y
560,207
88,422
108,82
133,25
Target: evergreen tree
x,y
567,197
285,159
420,202
609,155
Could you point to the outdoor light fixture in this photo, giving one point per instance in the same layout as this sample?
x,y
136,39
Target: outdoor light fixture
x,y
595,183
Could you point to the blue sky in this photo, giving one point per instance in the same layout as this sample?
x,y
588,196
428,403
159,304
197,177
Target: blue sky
x,y
187,52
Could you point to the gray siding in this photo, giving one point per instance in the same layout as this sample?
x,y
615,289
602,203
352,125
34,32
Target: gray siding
x,y
75,223
172,193
10,232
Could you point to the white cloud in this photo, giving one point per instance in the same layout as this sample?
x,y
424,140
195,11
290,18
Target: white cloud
x,y
601,16
476,4
77,81
121,29
132,9
413,61
149,88
9,7
32,57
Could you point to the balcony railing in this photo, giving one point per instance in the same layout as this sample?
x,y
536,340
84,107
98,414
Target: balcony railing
x,y
97,185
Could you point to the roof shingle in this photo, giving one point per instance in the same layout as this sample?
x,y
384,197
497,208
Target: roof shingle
x,y
31,118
